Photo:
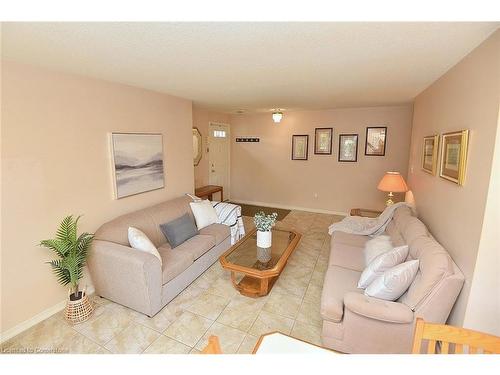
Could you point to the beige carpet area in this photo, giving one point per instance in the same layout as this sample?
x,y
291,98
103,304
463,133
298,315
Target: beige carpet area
x,y
209,306
251,210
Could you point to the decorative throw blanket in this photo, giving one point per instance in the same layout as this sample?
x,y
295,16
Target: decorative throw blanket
x,y
228,214
365,225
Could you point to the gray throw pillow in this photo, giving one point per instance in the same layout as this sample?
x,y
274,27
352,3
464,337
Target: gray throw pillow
x,y
179,230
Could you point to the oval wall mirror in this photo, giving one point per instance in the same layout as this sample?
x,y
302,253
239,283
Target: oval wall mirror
x,y
197,147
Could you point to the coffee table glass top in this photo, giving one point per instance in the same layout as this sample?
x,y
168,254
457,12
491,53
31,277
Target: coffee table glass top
x,y
248,255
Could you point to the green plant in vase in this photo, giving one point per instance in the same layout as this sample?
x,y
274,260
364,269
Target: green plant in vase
x,y
264,223
71,250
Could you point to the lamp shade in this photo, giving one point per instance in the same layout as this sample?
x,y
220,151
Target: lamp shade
x,y
393,182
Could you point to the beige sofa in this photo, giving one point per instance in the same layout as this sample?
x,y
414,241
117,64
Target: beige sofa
x,y
136,279
355,323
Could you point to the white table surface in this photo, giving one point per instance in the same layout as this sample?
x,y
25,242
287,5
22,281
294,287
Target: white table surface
x,y
278,343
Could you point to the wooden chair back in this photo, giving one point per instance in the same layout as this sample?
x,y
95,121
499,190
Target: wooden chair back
x,y
445,339
213,346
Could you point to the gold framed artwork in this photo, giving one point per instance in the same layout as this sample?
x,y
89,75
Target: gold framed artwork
x,y
323,141
430,154
454,156
300,146
197,147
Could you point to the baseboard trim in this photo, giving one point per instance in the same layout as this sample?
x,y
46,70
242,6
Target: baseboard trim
x,y
45,314
287,207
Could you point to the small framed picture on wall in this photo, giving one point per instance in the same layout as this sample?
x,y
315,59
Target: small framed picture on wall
x,y
300,145
454,156
376,139
323,141
348,147
430,154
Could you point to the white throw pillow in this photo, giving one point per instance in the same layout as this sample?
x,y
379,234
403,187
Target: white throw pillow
x,y
394,282
204,213
382,263
138,240
377,246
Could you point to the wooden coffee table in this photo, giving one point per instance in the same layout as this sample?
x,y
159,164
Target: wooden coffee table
x,y
260,267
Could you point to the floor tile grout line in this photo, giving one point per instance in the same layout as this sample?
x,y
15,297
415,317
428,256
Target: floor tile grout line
x,y
91,339
215,321
204,333
162,335
114,334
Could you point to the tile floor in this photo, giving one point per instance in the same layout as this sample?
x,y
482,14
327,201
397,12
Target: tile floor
x,y
210,305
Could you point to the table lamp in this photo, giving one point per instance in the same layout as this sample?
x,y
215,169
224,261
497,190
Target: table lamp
x,y
392,182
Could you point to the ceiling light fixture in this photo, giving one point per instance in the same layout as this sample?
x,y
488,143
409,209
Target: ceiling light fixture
x,y
277,116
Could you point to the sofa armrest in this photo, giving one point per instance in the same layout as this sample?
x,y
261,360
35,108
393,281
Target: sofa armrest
x,y
392,312
127,276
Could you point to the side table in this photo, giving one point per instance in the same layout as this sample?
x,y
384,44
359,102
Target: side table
x,y
365,212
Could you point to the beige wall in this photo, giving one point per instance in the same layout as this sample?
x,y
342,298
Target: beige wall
x,y
466,97
56,161
483,305
201,118
264,171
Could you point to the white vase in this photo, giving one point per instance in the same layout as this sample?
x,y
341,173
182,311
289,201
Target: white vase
x,y
264,239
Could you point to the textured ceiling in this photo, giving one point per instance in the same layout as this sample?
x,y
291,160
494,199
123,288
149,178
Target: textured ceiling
x,y
254,66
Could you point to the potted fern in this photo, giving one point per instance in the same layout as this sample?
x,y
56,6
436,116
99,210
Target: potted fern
x,y
264,223
71,251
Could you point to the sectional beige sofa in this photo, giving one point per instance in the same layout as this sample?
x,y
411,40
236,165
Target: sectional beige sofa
x,y
136,279
355,323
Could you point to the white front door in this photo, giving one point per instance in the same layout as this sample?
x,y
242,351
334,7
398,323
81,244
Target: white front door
x,y
218,156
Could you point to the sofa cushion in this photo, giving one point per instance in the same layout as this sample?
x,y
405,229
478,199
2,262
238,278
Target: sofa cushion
x,y
350,239
413,229
382,263
377,246
139,241
219,231
175,262
204,213
166,212
435,264
179,230
347,256
197,246
338,281
394,282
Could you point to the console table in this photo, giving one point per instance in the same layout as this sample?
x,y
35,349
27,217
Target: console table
x,y
365,212
208,191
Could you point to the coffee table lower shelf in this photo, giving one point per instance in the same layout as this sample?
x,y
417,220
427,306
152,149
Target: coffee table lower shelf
x,y
252,286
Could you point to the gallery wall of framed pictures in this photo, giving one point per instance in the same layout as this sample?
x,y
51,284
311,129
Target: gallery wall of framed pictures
x,y
452,158
375,144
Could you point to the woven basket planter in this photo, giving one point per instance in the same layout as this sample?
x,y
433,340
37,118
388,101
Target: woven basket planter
x,y
78,311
